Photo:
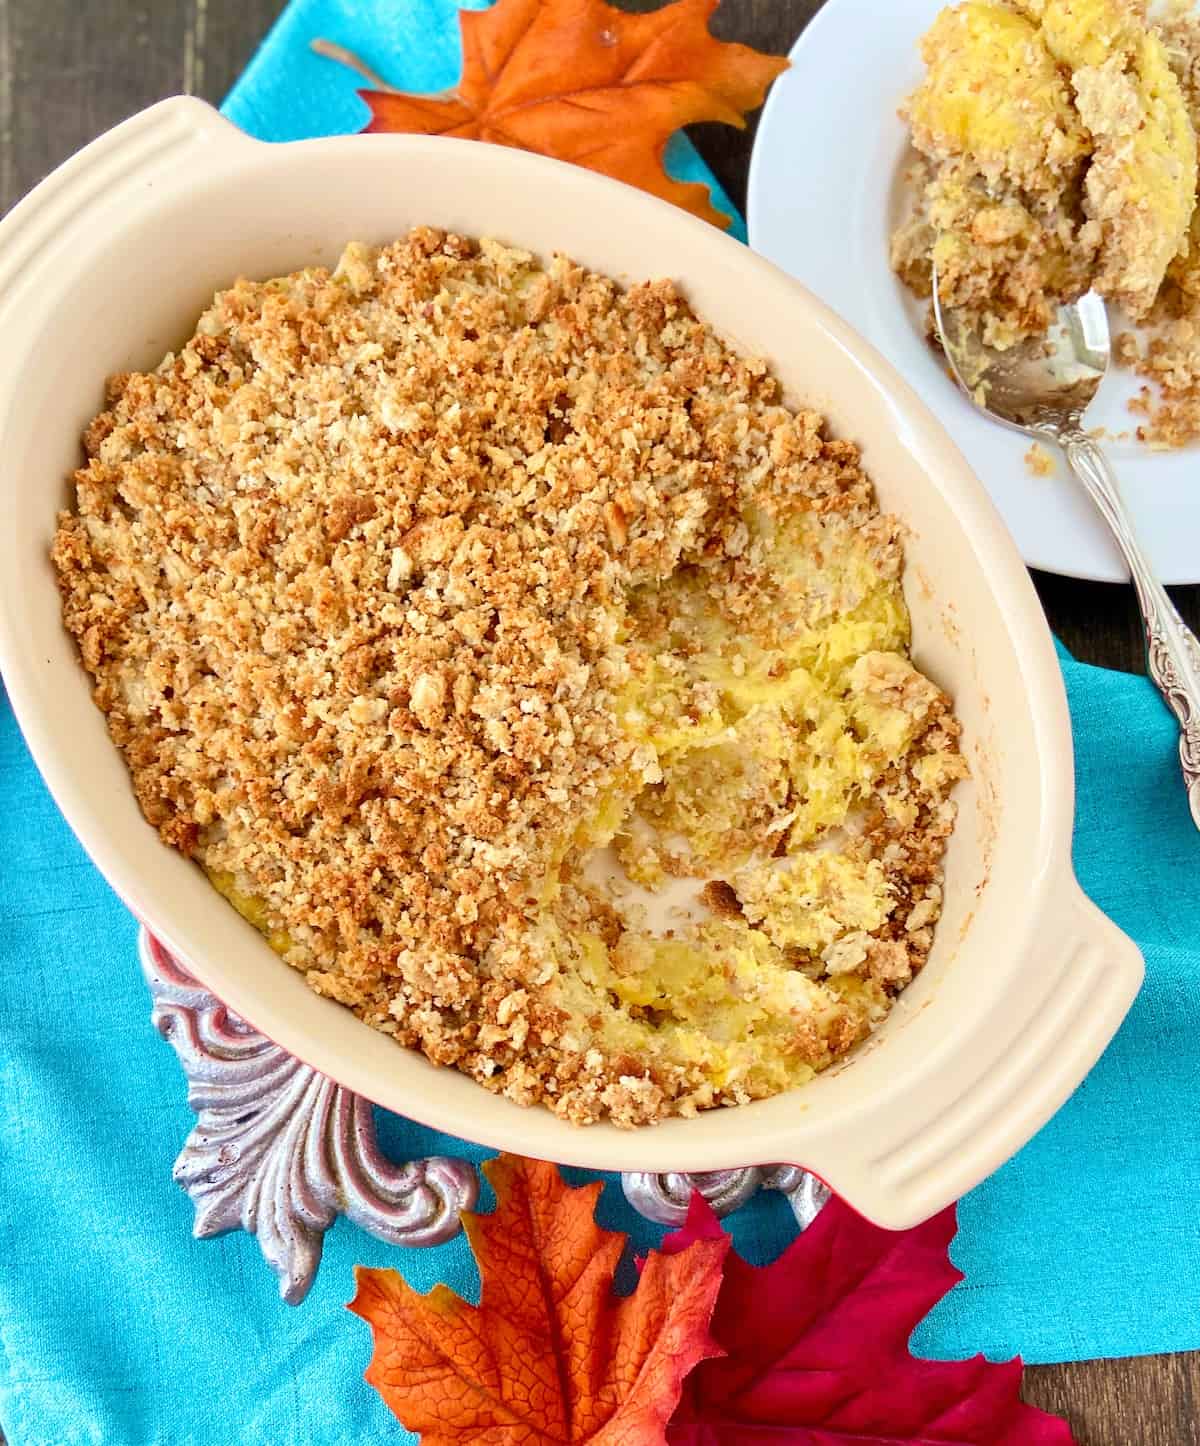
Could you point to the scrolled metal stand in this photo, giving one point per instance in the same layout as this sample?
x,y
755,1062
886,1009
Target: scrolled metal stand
x,y
665,1198
279,1150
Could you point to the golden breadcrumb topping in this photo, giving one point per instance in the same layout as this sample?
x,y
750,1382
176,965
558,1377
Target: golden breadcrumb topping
x,y
535,680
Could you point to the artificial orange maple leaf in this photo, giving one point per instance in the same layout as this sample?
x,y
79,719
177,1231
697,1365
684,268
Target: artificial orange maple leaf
x,y
584,82
550,1354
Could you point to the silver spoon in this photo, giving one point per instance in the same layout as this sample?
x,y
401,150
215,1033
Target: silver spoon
x,y
1042,387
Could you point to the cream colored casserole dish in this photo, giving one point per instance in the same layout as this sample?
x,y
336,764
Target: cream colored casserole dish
x,y
106,266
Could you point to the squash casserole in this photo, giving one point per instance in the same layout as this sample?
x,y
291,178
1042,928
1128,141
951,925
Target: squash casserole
x,y
509,654
1057,153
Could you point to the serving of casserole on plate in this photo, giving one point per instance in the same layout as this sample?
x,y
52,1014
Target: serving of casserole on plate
x,y
1036,148
1057,143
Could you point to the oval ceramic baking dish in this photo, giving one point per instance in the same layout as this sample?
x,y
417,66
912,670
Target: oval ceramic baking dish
x,y
107,265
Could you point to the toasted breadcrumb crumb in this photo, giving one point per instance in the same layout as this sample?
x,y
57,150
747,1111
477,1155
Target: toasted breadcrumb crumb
x,y
1039,461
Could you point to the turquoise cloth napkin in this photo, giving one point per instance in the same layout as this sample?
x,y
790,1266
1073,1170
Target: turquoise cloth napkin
x,y
118,1329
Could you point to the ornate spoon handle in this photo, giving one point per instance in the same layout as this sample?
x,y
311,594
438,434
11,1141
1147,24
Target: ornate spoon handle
x,y
1173,654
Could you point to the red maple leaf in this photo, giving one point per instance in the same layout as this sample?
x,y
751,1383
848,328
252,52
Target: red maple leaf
x,y
817,1348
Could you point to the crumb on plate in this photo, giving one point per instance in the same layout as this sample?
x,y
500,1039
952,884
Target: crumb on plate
x,y
1039,461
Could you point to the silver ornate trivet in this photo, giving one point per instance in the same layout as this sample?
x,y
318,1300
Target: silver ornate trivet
x,y
280,1151
665,1198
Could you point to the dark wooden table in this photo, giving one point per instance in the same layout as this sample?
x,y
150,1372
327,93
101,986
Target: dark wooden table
x,y
69,69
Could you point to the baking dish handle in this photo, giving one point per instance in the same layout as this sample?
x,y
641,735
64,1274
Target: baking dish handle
x,y
1001,1085
172,143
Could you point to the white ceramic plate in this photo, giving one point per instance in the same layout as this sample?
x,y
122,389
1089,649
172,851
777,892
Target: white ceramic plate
x,y
826,188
